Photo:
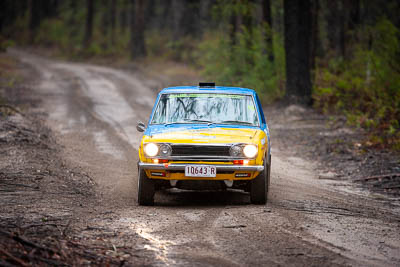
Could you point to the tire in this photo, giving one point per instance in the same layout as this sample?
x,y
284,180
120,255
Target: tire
x,y
146,189
260,185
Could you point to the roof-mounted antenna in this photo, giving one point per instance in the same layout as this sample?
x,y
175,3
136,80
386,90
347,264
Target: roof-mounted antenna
x,y
207,85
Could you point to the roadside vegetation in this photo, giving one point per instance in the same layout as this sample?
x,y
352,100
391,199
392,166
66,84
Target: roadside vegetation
x,y
8,79
341,57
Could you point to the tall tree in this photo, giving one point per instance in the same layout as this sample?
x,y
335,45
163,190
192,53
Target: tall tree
x,y
35,17
89,23
178,10
105,22
331,8
297,20
113,20
138,48
10,11
124,16
233,27
267,18
72,19
315,38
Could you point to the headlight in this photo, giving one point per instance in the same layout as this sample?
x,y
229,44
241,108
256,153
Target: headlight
x,y
250,151
235,151
151,149
165,150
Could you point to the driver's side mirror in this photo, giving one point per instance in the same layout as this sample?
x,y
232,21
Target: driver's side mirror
x,y
141,127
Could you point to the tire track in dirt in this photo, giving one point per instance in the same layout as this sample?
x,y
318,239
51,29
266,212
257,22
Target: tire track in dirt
x,y
307,221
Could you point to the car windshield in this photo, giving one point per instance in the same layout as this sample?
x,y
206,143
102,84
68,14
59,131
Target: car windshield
x,y
206,108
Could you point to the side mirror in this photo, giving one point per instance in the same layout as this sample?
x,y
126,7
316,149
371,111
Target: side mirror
x,y
141,127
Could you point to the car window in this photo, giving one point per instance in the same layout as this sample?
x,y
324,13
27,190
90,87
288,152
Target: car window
x,y
261,111
206,108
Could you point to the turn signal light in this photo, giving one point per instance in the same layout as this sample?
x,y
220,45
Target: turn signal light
x,y
160,161
241,161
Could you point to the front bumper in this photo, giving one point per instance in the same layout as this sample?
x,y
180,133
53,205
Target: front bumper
x,y
181,167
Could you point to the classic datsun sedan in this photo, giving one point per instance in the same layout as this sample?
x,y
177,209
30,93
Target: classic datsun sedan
x,y
205,137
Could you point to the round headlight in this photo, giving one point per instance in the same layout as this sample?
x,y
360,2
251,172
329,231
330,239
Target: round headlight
x,y
165,150
151,149
235,151
250,151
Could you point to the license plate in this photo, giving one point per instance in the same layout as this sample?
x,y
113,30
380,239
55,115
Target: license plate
x,y
200,171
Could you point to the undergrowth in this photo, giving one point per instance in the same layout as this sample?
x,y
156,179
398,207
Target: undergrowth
x,y
245,63
366,88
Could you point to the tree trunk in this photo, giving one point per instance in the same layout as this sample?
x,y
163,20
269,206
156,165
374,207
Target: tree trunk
x,y
178,9
233,29
72,19
113,19
267,18
105,22
35,17
204,15
333,26
342,29
11,10
124,19
353,21
138,48
89,23
297,20
315,38
355,17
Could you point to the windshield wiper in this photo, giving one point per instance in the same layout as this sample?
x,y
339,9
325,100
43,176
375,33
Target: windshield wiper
x,y
238,122
205,121
175,122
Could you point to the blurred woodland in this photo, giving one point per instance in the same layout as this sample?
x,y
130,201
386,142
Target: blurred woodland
x,y
342,57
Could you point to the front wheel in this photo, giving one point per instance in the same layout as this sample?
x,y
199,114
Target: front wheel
x,y
146,189
260,185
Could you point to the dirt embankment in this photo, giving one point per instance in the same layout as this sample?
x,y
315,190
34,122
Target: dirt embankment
x,y
45,201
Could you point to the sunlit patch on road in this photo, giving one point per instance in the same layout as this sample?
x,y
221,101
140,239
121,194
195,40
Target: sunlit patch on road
x,y
159,246
104,145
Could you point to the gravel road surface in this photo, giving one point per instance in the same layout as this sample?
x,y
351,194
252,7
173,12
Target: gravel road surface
x,y
308,221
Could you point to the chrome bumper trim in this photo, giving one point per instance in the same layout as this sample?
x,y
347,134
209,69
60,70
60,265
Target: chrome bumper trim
x,y
181,167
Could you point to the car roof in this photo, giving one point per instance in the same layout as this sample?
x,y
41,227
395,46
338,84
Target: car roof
x,y
216,89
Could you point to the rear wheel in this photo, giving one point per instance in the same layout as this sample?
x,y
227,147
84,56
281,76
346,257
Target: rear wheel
x,y
260,185
146,189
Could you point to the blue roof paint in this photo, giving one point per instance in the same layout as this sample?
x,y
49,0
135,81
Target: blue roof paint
x,y
216,89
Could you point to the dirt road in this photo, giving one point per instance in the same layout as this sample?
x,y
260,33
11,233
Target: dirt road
x,y
308,221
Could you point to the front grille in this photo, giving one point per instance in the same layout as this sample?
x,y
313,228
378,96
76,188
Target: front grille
x,y
194,150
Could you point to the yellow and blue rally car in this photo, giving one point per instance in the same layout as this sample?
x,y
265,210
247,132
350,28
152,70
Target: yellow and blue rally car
x,y
202,137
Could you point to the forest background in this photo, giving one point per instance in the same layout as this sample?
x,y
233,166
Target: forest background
x,y
342,57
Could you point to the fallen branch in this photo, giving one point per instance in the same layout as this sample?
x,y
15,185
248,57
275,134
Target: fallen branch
x,y
12,258
378,177
26,242
63,232
234,226
12,108
39,225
